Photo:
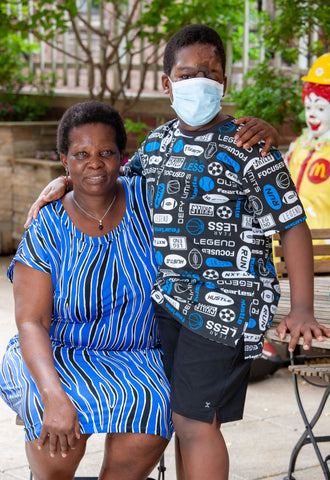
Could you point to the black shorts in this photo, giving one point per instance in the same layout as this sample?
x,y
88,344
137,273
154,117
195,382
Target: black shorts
x,y
206,377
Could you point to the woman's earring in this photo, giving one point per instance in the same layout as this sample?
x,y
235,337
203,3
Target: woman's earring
x,y
66,172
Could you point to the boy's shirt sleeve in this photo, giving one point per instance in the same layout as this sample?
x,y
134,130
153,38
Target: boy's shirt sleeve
x,y
133,166
272,193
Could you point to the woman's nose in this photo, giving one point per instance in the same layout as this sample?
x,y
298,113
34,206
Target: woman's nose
x,y
201,74
95,160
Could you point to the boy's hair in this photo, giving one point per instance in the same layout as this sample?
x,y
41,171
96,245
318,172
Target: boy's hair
x,y
90,112
190,35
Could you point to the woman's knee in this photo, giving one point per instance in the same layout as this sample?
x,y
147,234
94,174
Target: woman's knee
x,y
132,455
45,467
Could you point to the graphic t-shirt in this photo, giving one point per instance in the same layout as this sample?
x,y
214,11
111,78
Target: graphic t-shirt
x,y
215,207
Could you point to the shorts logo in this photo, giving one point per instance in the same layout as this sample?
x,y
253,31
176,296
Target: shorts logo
x,y
195,258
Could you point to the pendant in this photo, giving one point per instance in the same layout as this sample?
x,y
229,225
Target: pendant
x,y
100,226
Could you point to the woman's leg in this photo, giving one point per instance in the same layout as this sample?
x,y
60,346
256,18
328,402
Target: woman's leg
x,y
131,456
45,467
202,452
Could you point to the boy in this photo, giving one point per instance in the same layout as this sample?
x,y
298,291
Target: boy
x,y
215,207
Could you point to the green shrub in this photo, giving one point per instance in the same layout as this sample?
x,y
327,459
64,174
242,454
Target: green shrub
x,y
273,98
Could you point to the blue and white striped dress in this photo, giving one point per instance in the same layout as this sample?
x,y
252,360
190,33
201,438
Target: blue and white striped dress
x,y
103,331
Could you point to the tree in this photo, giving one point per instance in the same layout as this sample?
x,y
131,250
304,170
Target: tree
x,y
129,35
294,20
269,93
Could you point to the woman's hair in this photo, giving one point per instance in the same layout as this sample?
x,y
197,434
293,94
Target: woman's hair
x,y
90,112
189,36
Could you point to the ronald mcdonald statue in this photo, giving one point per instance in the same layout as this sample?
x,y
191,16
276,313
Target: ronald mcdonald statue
x,y
308,157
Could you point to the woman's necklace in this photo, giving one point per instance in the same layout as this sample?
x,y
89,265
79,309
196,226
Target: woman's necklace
x,y
100,220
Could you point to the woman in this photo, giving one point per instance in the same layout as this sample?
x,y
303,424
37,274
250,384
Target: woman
x,y
87,358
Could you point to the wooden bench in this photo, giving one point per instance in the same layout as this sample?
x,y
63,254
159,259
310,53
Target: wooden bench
x,y
313,366
321,252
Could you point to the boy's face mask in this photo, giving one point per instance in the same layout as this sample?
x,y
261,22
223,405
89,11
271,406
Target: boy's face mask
x,y
197,100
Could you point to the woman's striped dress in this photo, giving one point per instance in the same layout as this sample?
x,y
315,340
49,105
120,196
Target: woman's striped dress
x,y
103,332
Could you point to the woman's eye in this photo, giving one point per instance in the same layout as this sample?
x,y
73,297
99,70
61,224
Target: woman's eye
x,y
81,155
106,153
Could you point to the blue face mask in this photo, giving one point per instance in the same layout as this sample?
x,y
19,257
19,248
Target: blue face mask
x,y
197,100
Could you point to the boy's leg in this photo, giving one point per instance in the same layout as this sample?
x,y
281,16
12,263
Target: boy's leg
x,y
203,451
208,386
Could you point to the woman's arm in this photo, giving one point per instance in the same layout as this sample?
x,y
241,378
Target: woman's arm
x,y
33,294
255,130
298,254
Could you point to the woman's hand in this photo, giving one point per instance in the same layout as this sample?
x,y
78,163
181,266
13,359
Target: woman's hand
x,y
254,131
53,191
60,426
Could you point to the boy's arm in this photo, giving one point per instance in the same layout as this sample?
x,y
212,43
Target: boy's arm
x,y
298,254
254,131
53,191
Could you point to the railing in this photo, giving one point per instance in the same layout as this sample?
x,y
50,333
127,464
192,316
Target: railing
x,y
80,56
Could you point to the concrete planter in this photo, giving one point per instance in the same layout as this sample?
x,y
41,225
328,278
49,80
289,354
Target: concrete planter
x,y
22,176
